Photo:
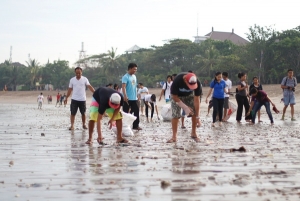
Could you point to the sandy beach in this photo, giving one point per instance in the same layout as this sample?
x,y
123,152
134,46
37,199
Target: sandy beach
x,y
42,160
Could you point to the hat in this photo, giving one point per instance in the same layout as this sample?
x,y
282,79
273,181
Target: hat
x,y
114,101
191,81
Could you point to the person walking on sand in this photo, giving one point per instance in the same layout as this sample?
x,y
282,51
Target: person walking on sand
x,y
241,98
288,85
142,92
57,99
150,102
105,100
185,91
258,99
40,100
78,85
226,95
218,86
129,90
257,85
166,89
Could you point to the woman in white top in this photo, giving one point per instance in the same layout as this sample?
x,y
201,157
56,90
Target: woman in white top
x,y
166,89
150,102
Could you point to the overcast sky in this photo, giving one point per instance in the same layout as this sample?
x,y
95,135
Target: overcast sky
x,y
52,29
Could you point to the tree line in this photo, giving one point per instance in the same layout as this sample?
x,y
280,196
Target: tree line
x,y
268,55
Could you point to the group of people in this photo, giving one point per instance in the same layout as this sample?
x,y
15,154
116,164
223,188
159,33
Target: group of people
x,y
249,98
184,91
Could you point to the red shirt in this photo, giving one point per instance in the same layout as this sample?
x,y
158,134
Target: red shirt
x,y
57,96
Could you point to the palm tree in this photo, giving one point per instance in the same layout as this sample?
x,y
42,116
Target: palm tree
x,y
34,70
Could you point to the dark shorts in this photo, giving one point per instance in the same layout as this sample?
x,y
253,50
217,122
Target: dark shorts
x,y
77,104
226,103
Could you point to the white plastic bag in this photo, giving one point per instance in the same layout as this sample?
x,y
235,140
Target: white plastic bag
x,y
231,110
166,112
126,131
127,121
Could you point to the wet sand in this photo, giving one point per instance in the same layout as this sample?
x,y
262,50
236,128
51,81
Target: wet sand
x,y
42,160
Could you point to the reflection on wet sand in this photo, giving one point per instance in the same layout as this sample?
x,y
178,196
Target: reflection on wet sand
x,y
59,166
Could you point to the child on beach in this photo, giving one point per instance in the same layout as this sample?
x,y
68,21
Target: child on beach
x,y
40,100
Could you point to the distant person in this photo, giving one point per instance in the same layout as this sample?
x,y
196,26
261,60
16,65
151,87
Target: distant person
x,y
218,86
257,85
57,99
50,99
105,100
61,99
166,89
241,98
226,95
64,98
288,85
260,98
116,87
129,89
142,92
185,91
40,100
150,102
78,86
109,85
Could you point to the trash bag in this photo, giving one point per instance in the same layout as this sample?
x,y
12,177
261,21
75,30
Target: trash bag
x,y
231,110
127,121
166,112
126,131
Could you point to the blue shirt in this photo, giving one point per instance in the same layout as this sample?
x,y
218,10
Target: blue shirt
x,y
218,89
131,86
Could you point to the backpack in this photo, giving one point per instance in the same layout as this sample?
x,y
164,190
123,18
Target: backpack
x,y
286,78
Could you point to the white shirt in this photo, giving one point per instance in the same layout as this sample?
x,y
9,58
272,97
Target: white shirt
x,y
40,98
143,91
228,86
167,90
148,99
79,87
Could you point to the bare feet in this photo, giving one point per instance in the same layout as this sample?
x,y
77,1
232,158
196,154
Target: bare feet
x,y
196,138
171,140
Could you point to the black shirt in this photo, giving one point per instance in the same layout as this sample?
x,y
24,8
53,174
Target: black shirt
x,y
259,88
179,87
102,96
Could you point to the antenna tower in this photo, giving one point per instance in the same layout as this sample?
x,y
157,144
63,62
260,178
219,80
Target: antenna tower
x,y
10,56
82,56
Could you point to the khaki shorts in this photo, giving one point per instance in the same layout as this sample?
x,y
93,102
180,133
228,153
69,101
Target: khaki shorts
x,y
176,110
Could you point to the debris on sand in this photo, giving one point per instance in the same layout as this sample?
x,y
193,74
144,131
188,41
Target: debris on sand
x,y
43,134
11,163
164,184
241,149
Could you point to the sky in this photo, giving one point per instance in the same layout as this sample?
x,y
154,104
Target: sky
x,y
55,29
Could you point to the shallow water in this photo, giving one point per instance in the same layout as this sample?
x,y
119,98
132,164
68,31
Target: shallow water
x,y
42,160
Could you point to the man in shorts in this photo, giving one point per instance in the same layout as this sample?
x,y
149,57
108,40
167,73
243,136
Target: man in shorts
x,y
105,100
142,92
226,95
186,91
288,85
78,85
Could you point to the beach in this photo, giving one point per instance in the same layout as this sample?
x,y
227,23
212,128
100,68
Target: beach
x,y
42,160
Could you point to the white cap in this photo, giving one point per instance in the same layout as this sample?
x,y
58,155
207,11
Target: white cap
x,y
115,98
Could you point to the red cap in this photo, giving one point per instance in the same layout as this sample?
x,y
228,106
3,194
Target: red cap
x,y
191,80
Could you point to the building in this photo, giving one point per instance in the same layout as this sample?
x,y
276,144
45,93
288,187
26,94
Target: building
x,y
222,36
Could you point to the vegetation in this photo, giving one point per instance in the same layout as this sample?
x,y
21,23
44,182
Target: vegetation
x,y
268,55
